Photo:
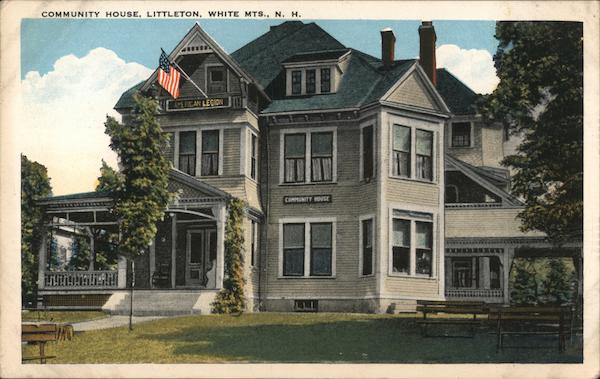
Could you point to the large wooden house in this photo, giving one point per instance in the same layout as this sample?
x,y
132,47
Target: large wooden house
x,y
370,183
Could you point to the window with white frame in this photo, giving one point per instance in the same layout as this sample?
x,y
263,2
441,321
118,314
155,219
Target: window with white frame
x,y
253,242
366,246
461,134
308,156
325,80
253,156
210,153
367,153
412,153
308,248
296,82
311,81
412,250
187,152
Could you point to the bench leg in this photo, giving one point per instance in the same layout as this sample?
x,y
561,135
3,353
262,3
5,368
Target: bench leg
x,y
498,337
42,353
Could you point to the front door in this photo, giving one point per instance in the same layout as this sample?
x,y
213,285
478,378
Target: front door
x,y
201,257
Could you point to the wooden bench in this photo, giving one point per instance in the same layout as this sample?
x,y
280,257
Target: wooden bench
x,y
427,307
40,334
534,320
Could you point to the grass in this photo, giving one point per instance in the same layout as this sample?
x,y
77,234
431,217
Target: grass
x,y
61,316
285,337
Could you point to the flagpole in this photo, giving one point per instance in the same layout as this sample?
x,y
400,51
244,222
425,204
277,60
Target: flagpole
x,y
186,75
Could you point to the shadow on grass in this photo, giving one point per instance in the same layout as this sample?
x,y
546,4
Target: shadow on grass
x,y
360,341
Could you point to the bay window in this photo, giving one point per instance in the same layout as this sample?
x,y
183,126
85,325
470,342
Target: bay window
x,y
187,152
308,248
424,152
321,156
401,151
412,153
253,156
210,153
295,155
412,243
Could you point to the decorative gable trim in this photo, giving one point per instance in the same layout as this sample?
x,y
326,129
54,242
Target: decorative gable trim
x,y
185,179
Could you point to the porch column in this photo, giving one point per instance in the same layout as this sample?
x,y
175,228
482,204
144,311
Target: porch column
x,y
508,256
152,260
219,212
42,259
485,273
122,272
92,250
173,247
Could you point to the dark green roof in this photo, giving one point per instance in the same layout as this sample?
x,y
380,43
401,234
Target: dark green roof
x,y
316,56
126,99
457,96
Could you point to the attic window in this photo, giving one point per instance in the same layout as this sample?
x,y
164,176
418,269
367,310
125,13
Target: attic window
x,y
216,80
461,134
296,82
325,80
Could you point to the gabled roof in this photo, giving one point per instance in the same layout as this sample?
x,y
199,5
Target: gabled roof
x,y
459,98
203,187
316,56
473,173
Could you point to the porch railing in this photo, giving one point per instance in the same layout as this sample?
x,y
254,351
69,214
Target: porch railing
x,y
81,279
473,292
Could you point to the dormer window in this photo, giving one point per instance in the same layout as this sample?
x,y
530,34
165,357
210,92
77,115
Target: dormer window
x,y
217,79
311,81
296,82
325,80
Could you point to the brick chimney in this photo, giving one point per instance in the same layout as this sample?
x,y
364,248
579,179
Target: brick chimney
x,y
427,40
388,41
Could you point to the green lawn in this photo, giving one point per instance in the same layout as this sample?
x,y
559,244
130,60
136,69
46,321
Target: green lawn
x,y
61,316
285,337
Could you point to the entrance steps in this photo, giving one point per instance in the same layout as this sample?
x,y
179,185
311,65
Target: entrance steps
x,y
161,302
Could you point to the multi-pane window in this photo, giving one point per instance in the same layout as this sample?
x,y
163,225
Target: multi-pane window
x,y
210,153
320,249
217,80
253,157
462,272
311,81
367,246
401,151
253,242
367,152
321,156
424,247
325,80
424,152
293,249
294,155
310,244
401,246
461,134
296,82
187,152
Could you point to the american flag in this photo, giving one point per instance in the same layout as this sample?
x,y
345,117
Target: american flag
x,y
168,77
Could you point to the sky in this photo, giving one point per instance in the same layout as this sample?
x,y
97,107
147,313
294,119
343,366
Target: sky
x,y
74,70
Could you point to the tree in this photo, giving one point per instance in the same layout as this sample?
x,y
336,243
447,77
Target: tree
x,y
140,189
231,298
524,288
540,97
557,288
35,184
81,254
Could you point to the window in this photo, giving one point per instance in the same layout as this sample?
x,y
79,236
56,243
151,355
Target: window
x,y
187,152
321,156
217,80
253,157
367,246
320,249
293,249
253,242
495,272
308,156
424,152
308,248
411,243
311,81
401,151
325,80
462,272
210,153
367,153
296,82
401,246
295,155
461,134
424,248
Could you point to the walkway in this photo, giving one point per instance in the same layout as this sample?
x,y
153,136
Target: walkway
x,y
110,322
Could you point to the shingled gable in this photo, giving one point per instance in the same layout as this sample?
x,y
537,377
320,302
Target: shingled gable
x,y
190,187
414,89
471,172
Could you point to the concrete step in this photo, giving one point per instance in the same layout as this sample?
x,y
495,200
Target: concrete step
x,y
161,302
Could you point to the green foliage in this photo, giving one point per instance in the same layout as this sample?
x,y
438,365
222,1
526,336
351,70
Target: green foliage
x,y
81,254
140,189
231,298
35,184
558,286
540,97
524,289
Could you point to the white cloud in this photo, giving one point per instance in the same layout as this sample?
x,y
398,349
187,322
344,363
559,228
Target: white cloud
x,y
62,123
474,67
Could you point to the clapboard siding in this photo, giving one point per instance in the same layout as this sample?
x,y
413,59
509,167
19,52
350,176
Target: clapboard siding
x,y
412,192
487,222
198,75
411,287
210,117
231,152
412,92
252,195
493,152
472,155
233,185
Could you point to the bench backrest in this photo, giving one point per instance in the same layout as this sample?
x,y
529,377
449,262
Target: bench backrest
x,y
38,333
450,303
530,312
